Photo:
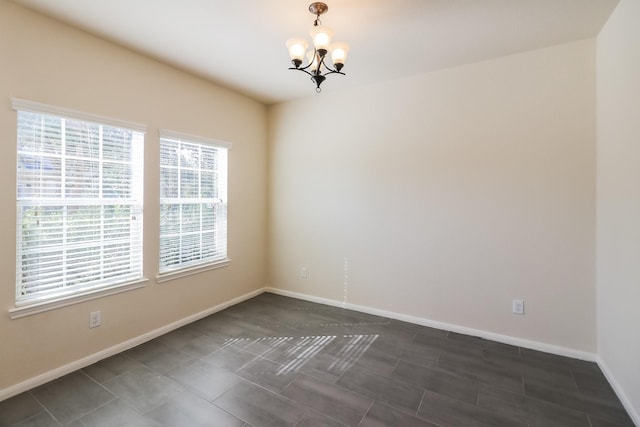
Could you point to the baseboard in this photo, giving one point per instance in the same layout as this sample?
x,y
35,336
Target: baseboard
x,y
626,402
506,339
118,348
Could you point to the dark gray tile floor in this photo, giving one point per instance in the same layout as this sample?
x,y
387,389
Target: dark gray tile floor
x,y
276,361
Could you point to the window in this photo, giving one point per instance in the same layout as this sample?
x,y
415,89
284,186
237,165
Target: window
x,y
79,204
193,202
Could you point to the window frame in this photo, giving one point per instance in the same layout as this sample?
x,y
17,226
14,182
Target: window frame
x,y
179,271
82,293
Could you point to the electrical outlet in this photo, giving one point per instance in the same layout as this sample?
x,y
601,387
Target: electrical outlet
x,y
304,273
517,306
95,319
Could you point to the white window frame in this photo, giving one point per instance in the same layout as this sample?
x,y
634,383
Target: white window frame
x,y
170,272
47,300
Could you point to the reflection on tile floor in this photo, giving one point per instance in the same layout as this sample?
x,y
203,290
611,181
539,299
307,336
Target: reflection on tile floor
x,y
277,361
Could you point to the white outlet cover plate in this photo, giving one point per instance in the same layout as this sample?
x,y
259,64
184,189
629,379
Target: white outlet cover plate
x,y
518,306
95,319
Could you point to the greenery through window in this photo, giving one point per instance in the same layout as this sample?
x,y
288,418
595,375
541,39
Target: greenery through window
x,y
193,202
79,206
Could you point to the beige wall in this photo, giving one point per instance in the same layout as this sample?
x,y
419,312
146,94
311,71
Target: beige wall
x,y
448,194
618,211
47,62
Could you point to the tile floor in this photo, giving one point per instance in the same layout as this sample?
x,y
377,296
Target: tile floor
x,y
277,361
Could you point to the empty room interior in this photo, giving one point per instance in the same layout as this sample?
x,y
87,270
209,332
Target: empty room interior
x,y
446,235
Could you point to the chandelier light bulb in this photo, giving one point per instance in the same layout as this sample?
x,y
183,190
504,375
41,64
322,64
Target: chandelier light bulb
x,y
313,61
339,52
321,37
297,49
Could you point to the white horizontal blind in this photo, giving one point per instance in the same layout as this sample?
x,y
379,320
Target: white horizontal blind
x,y
79,206
193,202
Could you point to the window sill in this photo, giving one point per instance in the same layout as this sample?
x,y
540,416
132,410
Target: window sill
x,y
184,272
28,310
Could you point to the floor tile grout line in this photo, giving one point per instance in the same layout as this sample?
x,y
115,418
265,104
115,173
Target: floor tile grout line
x,y
615,405
437,423
562,407
34,416
280,396
424,394
114,399
44,408
82,371
389,378
227,412
233,415
366,412
573,377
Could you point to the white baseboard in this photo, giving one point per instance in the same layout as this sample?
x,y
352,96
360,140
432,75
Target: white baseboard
x,y
626,402
118,348
506,339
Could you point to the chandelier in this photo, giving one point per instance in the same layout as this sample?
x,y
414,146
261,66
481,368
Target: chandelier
x,y
317,65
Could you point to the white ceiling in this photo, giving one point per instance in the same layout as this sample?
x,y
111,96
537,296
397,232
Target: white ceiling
x,y
240,43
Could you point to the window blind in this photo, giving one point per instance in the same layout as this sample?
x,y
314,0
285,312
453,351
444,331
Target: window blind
x,y
79,206
193,202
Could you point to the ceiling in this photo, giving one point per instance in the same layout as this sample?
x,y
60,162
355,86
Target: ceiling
x,y
240,43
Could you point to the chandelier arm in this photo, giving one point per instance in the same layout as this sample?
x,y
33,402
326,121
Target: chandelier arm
x,y
315,52
303,70
320,65
331,70
334,72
